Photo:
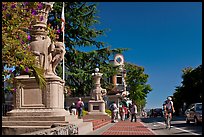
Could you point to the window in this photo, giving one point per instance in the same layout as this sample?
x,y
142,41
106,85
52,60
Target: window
x,y
119,80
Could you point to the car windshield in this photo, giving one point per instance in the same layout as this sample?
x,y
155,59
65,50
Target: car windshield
x,y
199,107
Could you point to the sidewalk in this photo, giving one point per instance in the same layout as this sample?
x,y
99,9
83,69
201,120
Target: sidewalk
x,y
124,128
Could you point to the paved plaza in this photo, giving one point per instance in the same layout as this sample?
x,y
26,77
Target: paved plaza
x,y
123,128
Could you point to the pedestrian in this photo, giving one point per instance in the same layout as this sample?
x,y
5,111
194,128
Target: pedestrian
x,y
120,112
114,110
143,113
129,113
73,109
133,112
126,112
79,106
123,112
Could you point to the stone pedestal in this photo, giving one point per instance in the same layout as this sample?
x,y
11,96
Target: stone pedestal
x,y
36,109
96,107
31,100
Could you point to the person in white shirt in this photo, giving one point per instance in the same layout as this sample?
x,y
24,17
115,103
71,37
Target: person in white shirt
x,y
114,111
168,107
73,109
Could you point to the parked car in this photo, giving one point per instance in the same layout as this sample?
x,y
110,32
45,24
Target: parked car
x,y
155,112
194,113
158,112
148,113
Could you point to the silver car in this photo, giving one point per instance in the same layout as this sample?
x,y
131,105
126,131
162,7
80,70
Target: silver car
x,y
194,113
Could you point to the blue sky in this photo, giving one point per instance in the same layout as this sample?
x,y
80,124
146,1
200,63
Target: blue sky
x,y
163,37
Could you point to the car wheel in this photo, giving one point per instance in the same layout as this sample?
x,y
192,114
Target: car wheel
x,y
187,121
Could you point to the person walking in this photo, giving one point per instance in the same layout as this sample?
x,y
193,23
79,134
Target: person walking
x,y
129,112
123,112
73,109
126,112
79,106
133,112
114,111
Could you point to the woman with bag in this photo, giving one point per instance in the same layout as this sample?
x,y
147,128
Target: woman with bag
x,y
80,105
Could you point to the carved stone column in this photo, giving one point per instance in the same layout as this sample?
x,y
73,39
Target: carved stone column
x,y
97,105
40,42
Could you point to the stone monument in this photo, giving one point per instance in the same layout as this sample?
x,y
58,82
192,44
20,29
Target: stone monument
x,y
36,108
29,98
96,104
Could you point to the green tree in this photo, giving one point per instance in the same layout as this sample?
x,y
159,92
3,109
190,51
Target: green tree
x,y
191,88
141,104
79,74
80,18
136,80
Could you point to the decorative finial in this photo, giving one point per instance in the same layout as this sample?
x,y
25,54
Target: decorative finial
x,y
96,70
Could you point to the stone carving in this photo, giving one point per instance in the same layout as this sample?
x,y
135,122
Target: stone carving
x,y
39,46
97,93
69,129
56,55
48,54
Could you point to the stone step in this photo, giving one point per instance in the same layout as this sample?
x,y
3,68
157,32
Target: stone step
x,y
30,123
21,127
40,123
101,124
17,130
37,113
83,128
96,116
36,118
97,120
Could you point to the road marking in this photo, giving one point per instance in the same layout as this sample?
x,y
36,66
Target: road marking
x,y
180,129
156,125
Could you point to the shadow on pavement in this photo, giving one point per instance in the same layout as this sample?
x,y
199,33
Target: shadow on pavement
x,y
161,128
161,119
152,119
180,133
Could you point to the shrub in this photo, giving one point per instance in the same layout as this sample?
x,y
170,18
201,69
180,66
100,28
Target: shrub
x,y
108,112
84,112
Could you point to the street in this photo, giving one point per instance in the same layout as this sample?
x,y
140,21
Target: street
x,y
178,126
